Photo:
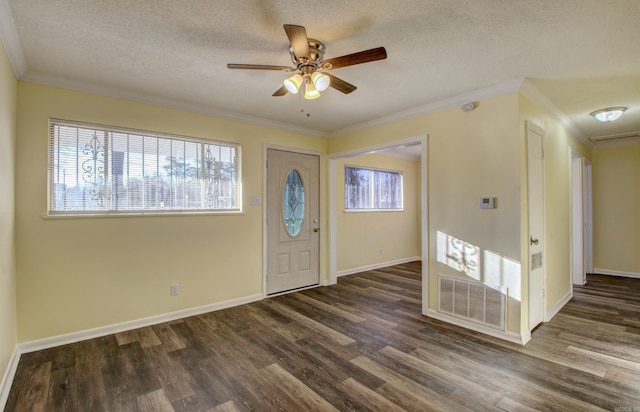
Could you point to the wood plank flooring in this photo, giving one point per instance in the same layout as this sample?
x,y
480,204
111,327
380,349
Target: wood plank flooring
x,y
360,345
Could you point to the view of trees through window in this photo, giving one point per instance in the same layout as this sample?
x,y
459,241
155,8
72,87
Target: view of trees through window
x,y
99,170
372,189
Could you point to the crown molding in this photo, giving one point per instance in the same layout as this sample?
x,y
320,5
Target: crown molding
x,y
536,96
9,38
86,87
492,91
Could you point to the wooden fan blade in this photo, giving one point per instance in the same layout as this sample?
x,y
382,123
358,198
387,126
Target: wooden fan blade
x,y
365,56
298,39
259,67
340,84
281,91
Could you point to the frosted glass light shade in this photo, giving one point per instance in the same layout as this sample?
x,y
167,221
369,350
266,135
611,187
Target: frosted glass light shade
x,y
311,92
320,81
293,83
608,115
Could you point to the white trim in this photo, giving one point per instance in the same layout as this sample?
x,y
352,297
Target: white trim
x,y
86,87
7,379
486,93
496,333
424,219
533,94
377,266
10,40
620,273
73,337
577,235
558,306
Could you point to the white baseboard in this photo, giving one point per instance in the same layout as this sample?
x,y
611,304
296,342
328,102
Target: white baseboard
x,y
7,379
496,333
59,340
616,273
377,266
559,305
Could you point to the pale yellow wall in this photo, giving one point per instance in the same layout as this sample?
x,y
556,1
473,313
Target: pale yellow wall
x,y
77,274
8,95
557,142
470,155
616,209
81,273
361,235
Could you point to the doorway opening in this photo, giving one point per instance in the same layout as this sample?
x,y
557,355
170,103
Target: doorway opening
x,y
416,145
581,219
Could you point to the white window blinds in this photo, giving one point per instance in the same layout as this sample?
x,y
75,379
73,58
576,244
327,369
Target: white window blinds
x,y
98,170
371,189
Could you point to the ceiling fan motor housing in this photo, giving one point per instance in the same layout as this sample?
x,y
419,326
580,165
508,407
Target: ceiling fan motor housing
x,y
315,58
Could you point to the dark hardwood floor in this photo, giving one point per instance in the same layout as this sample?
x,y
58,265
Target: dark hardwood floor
x,y
359,345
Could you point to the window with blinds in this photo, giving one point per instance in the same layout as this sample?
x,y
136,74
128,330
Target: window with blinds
x,y
371,189
102,170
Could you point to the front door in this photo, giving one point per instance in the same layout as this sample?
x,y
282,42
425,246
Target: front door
x,y
536,225
292,221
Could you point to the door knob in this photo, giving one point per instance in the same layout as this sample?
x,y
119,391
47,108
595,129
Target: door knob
x,y
533,241
316,229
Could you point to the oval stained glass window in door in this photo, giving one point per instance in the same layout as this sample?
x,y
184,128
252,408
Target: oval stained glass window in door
x,y
293,206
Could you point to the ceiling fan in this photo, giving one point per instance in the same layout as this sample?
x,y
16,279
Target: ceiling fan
x,y
308,57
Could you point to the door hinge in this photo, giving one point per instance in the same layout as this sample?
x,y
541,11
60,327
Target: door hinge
x,y
542,153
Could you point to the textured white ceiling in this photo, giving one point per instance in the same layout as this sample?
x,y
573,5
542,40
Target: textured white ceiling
x,y
581,55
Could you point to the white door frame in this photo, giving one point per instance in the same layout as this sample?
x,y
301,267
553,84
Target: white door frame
x,y
265,148
588,214
577,209
333,256
581,218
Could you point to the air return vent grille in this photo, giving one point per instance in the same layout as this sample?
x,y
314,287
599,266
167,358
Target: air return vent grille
x,y
615,137
472,301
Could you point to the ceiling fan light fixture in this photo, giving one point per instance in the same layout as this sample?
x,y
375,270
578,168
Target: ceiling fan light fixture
x,y
320,81
310,92
293,83
609,114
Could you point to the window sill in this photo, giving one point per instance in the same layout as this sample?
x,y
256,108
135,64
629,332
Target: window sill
x,y
140,214
372,210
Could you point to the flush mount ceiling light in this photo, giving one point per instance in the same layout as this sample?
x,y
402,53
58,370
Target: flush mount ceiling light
x,y
609,114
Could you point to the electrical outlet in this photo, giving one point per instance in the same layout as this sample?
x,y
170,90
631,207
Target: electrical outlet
x,y
380,252
173,289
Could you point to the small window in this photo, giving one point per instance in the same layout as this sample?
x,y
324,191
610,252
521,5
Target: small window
x,y
293,204
99,170
371,189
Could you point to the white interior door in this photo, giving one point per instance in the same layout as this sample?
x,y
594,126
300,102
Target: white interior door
x,y
536,225
292,221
